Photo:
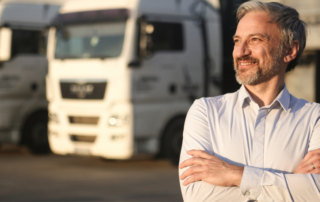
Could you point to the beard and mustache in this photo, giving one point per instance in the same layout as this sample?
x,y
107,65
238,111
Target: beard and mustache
x,y
260,74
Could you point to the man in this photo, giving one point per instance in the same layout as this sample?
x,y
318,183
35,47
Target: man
x,y
259,143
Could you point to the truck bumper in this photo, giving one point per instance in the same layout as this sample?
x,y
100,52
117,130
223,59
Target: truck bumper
x,y
95,139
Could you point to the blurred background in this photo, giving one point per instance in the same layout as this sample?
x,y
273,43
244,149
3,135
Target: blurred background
x,y
94,94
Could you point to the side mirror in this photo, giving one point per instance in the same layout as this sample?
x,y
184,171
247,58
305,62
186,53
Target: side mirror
x,y
5,43
145,39
144,44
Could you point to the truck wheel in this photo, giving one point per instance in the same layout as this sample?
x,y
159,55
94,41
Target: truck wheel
x,y
173,140
36,133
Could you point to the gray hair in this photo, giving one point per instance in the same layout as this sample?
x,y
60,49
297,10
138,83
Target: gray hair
x,y
289,25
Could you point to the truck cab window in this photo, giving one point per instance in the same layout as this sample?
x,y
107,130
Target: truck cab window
x,y
164,36
27,42
99,40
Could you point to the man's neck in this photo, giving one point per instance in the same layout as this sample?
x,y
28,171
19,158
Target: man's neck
x,y
265,93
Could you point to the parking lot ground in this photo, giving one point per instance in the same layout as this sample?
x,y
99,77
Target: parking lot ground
x,y
25,177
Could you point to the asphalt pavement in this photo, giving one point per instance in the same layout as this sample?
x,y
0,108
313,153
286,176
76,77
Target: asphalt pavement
x,y
26,177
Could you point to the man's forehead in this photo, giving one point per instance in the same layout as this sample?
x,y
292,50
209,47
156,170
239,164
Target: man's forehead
x,y
256,23
256,15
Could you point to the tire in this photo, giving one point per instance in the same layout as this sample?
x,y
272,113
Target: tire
x,y
172,141
35,133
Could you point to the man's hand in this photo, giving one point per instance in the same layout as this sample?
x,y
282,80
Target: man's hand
x,y
211,169
305,167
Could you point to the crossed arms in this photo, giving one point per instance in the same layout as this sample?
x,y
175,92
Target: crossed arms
x,y
212,170
205,177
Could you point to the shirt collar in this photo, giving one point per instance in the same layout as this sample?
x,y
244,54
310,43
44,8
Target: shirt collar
x,y
283,98
243,95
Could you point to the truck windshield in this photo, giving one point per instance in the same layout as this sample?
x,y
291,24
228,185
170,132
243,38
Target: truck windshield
x,y
100,40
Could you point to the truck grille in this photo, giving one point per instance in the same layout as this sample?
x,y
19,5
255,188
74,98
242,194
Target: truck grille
x,y
83,89
83,120
83,138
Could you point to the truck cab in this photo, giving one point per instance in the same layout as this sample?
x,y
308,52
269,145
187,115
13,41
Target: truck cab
x,y
23,67
123,74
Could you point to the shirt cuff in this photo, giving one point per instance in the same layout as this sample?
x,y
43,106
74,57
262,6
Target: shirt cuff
x,y
251,182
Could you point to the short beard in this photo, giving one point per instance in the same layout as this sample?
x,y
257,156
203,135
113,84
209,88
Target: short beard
x,y
263,73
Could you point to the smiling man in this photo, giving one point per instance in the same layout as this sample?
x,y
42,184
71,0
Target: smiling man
x,y
259,143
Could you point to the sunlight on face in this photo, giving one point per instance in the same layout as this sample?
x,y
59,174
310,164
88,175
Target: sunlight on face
x,y
256,55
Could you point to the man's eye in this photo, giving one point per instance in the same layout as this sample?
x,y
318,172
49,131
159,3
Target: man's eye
x,y
236,40
255,39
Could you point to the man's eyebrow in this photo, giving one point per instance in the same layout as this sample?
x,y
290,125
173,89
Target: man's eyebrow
x,y
235,36
261,35
256,34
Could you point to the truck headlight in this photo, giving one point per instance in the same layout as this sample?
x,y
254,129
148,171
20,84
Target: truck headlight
x,y
118,120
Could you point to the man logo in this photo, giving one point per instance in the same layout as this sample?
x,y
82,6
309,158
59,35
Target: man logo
x,y
81,89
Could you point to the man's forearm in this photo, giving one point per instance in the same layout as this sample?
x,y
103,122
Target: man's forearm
x,y
209,168
203,191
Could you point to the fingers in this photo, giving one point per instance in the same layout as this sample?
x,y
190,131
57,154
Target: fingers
x,y
316,163
315,171
191,171
315,160
198,158
310,169
199,153
307,168
303,169
310,154
192,162
193,178
315,157
305,165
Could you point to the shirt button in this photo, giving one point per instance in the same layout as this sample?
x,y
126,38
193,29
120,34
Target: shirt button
x,y
247,193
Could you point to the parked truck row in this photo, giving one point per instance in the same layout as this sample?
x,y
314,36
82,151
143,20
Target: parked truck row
x,y
116,77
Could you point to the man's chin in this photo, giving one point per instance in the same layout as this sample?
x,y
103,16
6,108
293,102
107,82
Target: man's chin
x,y
246,80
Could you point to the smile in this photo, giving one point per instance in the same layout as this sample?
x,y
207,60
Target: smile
x,y
247,63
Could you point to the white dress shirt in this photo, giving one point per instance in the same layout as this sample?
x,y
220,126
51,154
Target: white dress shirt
x,y
269,142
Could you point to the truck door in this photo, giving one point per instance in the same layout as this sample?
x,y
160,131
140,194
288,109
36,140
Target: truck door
x,y
170,73
23,75
155,83
22,78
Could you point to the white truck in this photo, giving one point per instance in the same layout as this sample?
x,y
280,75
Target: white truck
x,y
123,74
23,67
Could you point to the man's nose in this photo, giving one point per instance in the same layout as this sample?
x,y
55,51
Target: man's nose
x,y
241,50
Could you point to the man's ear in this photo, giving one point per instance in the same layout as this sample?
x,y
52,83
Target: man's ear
x,y
292,52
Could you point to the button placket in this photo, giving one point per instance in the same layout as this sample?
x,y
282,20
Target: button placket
x,y
257,158
258,139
